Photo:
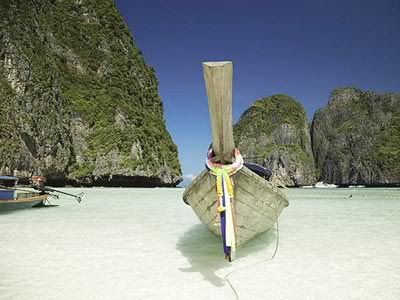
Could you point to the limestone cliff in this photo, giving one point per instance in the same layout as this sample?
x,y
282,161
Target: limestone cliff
x,y
356,138
77,101
274,132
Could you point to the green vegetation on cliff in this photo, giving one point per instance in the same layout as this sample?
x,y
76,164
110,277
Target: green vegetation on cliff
x,y
356,138
74,71
275,130
277,109
7,146
389,149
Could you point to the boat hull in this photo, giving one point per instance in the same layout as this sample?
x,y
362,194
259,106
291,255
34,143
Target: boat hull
x,y
23,200
257,203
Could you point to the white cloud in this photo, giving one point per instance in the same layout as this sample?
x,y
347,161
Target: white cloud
x,y
189,176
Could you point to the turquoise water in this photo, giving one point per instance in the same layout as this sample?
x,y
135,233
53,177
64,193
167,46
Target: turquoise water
x,y
146,244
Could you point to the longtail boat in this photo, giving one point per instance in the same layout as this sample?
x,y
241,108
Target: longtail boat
x,y
235,202
12,198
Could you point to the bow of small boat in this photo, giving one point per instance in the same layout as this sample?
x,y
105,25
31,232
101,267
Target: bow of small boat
x,y
257,203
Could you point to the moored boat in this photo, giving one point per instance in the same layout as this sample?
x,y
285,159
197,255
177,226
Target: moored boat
x,y
10,199
307,187
257,203
324,185
235,201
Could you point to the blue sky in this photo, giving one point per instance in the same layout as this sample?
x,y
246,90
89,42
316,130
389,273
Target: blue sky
x,y
301,48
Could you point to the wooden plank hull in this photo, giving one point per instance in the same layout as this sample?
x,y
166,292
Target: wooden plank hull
x,y
257,204
23,200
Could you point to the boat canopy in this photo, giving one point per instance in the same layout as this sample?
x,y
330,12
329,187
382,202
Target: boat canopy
x,y
8,181
7,184
259,170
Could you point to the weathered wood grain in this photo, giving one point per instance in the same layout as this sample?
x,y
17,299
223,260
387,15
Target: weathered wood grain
x,y
257,203
218,82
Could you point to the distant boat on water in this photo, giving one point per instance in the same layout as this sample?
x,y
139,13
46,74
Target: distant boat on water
x,y
321,184
357,186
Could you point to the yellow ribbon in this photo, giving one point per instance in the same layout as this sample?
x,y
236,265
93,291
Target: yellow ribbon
x,y
222,173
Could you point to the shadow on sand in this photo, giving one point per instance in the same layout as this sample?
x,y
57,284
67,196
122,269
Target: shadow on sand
x,y
203,251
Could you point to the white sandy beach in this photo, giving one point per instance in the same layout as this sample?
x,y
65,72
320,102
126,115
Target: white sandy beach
x,y
147,244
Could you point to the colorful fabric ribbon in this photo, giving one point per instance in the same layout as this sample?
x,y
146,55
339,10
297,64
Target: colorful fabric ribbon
x,y
224,188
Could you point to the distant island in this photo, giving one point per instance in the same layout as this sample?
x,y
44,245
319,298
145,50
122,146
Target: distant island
x,y
79,105
354,139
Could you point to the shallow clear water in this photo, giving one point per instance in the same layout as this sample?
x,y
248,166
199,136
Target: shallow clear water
x,y
147,244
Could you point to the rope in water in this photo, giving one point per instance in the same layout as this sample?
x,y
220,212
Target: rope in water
x,y
226,278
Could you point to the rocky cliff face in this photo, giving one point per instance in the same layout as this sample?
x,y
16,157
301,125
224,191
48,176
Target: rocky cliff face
x,y
356,138
274,132
77,101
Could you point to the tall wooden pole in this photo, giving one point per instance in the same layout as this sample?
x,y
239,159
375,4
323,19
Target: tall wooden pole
x,y
218,81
